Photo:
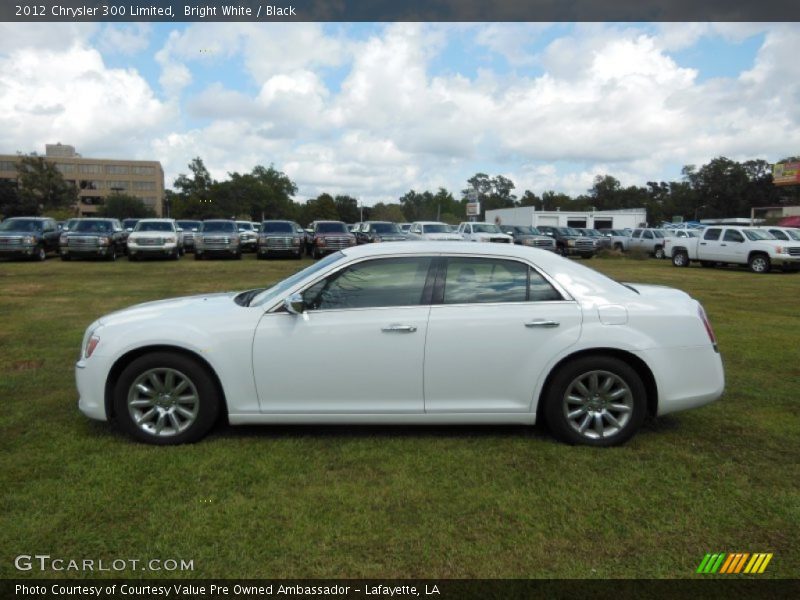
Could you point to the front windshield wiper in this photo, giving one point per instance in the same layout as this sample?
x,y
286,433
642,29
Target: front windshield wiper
x,y
245,298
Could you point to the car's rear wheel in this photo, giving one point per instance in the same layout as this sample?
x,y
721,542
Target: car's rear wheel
x,y
595,401
680,259
166,399
759,263
659,252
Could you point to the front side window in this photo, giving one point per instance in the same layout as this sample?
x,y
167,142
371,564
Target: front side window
x,y
371,284
648,235
731,235
484,280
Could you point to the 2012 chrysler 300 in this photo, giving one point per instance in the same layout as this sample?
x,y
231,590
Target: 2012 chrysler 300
x,y
432,332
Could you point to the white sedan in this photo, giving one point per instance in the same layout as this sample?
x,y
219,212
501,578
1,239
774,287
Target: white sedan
x,y
435,333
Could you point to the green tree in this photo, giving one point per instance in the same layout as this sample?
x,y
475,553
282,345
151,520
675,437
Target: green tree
x,y
387,212
12,204
491,192
192,198
42,187
321,208
125,206
347,208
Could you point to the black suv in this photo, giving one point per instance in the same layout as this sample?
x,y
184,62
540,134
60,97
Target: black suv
x,y
378,231
93,238
570,241
28,237
280,237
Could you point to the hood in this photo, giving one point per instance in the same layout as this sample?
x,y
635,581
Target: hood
x,y
187,308
15,233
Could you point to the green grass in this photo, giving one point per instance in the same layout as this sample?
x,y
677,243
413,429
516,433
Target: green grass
x,y
443,502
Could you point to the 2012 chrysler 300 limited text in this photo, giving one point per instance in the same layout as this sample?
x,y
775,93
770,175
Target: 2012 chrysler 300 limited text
x,y
433,332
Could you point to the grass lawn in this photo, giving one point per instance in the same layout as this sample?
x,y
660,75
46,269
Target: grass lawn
x,y
380,502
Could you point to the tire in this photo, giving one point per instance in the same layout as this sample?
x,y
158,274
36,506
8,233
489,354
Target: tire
x,y
112,255
238,255
618,247
176,255
65,257
299,256
680,259
759,263
608,418
315,254
41,254
260,256
198,256
132,258
183,411
562,250
659,252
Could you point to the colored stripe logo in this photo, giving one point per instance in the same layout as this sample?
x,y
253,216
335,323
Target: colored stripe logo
x,y
734,562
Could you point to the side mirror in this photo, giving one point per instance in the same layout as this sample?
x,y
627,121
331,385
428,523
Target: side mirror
x,y
180,229
129,229
294,304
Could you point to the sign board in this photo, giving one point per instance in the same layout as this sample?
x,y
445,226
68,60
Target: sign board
x,y
473,209
786,173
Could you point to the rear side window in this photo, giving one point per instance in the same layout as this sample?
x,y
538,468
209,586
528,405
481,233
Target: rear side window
x,y
487,280
712,234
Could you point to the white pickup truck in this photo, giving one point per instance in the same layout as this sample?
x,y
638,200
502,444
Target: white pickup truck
x,y
756,248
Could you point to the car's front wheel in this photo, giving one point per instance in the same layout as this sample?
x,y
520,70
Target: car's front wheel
x,y
165,398
759,263
595,401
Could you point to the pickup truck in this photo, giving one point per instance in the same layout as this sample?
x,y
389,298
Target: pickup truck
x,y
756,248
483,232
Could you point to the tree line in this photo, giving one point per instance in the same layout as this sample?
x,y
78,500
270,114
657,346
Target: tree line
x,y
720,188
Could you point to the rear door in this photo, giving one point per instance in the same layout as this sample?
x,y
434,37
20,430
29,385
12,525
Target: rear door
x,y
709,246
497,324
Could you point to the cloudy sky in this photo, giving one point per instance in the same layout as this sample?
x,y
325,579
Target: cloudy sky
x,y
374,110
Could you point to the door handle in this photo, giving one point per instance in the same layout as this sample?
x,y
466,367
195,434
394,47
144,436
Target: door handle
x,y
702,243
542,323
723,244
399,329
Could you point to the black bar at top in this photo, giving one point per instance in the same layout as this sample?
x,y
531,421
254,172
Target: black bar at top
x,y
400,10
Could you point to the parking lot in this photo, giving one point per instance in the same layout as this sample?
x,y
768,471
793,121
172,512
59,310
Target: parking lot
x,y
443,502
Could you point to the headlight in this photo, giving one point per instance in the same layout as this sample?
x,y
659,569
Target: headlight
x,y
90,341
570,243
29,239
262,238
170,240
320,241
104,241
352,241
62,239
529,242
198,238
296,240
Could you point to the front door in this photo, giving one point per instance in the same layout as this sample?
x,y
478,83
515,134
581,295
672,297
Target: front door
x,y
358,347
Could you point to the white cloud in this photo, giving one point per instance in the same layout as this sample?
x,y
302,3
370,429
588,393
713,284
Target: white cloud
x,y
125,39
71,96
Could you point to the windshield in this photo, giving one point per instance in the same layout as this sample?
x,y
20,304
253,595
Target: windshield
x,y
385,228
485,228
435,228
189,225
244,226
792,233
758,234
331,228
658,234
271,294
21,225
93,226
277,227
568,231
154,226
221,226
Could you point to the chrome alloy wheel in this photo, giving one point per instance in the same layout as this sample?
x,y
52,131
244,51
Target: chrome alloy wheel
x,y
163,402
598,404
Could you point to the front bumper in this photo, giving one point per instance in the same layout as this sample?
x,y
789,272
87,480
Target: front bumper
x,y
160,250
85,252
785,259
23,251
90,378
